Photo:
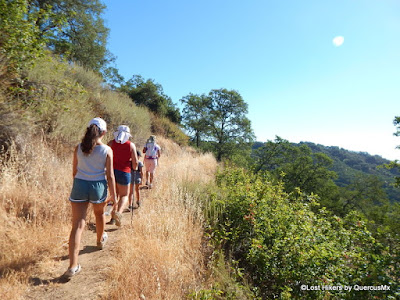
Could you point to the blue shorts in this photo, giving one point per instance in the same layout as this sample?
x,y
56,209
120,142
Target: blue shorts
x,y
85,190
122,178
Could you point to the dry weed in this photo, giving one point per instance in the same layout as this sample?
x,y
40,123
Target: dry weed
x,y
160,255
35,215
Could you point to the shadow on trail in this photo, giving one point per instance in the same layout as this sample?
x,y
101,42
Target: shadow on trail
x,y
36,281
88,249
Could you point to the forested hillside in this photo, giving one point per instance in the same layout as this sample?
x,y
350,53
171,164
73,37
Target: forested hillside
x,y
350,165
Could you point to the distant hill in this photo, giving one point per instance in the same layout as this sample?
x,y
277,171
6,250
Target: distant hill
x,y
349,164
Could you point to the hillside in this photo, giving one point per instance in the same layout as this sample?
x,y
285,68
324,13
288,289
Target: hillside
x,y
161,248
349,165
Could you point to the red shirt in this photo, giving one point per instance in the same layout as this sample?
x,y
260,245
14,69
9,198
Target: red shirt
x,y
122,156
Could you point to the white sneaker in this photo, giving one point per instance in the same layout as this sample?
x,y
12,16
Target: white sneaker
x,y
102,243
72,271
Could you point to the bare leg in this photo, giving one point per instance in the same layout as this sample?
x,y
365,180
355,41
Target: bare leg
x,y
131,194
98,210
151,178
137,192
123,191
78,225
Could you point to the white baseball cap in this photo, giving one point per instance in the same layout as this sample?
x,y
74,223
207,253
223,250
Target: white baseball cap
x,y
99,122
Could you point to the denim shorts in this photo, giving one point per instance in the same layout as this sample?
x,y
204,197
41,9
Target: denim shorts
x,y
85,190
122,178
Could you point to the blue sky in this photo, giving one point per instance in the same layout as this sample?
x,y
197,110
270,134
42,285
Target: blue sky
x,y
279,55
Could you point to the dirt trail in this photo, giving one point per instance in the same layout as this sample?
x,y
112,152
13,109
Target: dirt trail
x,y
89,283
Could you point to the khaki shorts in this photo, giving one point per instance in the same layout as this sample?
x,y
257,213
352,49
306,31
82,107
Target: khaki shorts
x,y
150,164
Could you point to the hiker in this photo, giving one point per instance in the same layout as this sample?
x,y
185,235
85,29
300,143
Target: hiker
x,y
92,165
125,158
152,154
137,176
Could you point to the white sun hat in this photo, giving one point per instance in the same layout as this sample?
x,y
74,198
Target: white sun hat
x,y
122,134
99,122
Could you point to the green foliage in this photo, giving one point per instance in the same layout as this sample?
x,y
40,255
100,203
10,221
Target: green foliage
x,y
61,98
298,167
163,126
282,242
195,116
350,165
227,281
150,94
75,30
394,165
20,39
220,120
117,109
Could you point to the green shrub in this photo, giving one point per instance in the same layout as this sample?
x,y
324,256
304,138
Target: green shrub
x,y
283,245
163,126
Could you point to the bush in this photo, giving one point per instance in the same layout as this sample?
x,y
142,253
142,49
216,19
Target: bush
x,y
163,126
283,245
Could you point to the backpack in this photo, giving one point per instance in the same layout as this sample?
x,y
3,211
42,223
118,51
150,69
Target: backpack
x,y
151,150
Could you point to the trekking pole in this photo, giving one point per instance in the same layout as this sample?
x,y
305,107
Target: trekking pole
x,y
133,201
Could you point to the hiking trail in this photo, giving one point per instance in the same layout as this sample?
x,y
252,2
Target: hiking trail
x,y
96,264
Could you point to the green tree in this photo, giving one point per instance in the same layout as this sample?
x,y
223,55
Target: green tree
x,y
194,116
229,128
298,167
221,120
151,94
75,30
395,164
20,38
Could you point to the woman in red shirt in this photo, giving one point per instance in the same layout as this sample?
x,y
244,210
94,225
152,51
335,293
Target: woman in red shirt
x,y
124,152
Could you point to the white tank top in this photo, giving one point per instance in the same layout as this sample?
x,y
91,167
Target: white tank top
x,y
92,167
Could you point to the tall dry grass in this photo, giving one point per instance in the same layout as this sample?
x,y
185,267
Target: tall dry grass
x,y
34,219
63,98
118,109
160,255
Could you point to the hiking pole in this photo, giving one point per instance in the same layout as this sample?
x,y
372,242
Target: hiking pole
x,y
133,201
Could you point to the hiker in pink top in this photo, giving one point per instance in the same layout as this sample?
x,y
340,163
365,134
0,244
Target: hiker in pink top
x,y
152,154
125,158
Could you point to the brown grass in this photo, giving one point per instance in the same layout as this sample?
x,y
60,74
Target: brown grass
x,y
159,256
34,219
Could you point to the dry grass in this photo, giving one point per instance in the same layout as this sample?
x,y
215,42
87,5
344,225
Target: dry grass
x,y
160,256
34,219
119,109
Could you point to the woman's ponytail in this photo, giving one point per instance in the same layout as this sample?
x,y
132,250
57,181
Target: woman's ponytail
x,y
89,140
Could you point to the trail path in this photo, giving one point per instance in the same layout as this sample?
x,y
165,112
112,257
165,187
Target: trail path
x,y
89,283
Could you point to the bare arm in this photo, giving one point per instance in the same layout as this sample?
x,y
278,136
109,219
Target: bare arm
x,y
75,162
110,175
134,156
